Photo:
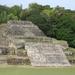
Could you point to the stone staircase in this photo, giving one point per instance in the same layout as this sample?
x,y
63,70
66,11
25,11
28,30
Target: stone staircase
x,y
46,54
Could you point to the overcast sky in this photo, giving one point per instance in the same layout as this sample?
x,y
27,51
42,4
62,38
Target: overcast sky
x,y
68,4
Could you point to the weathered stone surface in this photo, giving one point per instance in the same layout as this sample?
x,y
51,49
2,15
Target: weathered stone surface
x,y
39,49
46,54
21,28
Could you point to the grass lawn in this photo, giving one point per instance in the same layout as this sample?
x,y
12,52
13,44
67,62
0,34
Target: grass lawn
x,y
36,71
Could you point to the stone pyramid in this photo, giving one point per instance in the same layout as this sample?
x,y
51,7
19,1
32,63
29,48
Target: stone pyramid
x,y
40,49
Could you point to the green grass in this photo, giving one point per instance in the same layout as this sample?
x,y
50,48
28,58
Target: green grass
x,y
36,71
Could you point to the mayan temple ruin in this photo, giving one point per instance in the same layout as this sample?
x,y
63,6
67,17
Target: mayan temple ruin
x,y
22,42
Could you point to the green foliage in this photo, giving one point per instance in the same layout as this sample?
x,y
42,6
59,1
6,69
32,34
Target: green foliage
x,y
15,10
3,17
12,17
24,14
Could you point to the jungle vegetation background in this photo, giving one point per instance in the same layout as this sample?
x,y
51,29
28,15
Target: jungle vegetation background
x,y
55,22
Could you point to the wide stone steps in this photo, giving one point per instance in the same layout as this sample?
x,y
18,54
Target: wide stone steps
x,y
46,54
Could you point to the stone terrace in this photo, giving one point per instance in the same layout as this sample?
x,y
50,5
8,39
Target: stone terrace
x,y
23,39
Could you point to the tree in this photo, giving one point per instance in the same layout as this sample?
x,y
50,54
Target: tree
x,y
15,10
24,14
12,17
3,17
